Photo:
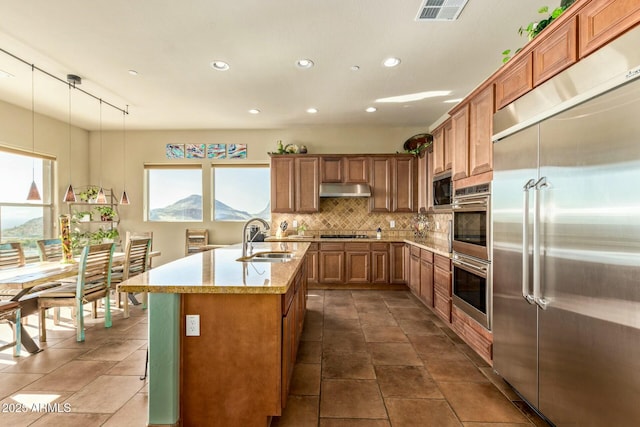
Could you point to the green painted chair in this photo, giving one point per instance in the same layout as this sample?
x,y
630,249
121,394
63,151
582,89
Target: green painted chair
x,y
136,261
94,283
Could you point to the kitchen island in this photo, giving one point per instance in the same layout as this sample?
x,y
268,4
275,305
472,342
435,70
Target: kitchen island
x,y
234,367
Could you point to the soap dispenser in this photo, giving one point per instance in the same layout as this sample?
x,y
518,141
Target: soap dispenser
x,y
379,233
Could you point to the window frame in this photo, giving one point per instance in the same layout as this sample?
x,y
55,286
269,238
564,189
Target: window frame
x,y
147,193
266,166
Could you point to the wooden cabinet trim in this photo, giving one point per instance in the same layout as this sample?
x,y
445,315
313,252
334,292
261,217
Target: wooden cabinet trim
x,y
331,246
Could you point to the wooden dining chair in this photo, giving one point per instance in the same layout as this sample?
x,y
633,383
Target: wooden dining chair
x,y
140,235
136,261
10,314
11,256
50,249
93,283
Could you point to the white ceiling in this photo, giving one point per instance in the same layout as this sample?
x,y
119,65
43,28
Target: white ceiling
x,y
171,44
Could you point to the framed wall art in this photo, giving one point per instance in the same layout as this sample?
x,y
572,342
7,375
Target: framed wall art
x,y
217,151
175,151
195,151
237,151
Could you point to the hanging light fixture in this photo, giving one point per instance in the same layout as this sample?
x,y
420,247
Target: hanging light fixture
x,y
34,194
101,198
70,195
124,200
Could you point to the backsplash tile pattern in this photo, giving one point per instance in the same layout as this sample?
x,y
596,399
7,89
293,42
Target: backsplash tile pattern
x,y
351,216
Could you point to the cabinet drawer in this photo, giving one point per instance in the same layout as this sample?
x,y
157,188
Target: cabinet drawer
x,y
477,337
442,262
515,82
379,246
333,246
442,305
356,246
415,251
442,281
426,255
313,246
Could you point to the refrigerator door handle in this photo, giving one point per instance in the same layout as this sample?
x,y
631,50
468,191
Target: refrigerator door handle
x,y
525,241
537,293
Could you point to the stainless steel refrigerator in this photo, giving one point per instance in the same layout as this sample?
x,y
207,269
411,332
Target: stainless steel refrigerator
x,y
566,243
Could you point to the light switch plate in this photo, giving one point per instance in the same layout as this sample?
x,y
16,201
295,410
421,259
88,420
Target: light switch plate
x,y
295,224
192,328
392,224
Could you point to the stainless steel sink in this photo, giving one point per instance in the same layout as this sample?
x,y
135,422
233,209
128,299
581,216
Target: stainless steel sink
x,y
268,257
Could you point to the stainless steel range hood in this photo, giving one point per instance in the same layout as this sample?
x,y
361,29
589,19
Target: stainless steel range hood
x,y
344,190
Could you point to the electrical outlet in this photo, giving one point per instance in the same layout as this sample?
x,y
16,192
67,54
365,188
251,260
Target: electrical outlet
x,y
193,325
392,224
294,224
437,226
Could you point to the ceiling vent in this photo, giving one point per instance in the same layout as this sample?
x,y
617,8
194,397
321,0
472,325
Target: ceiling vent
x,y
440,10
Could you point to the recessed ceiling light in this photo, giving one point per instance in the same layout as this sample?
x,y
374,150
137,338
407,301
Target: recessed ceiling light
x,y
4,74
371,109
304,63
391,62
133,72
355,68
219,65
254,111
452,101
415,96
312,110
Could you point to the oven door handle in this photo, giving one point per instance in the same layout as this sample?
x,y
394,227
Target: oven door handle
x,y
476,269
525,241
480,204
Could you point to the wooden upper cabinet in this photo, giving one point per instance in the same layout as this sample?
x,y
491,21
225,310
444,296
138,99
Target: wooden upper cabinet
x,y
331,169
442,141
515,81
307,197
603,20
356,170
348,169
480,132
460,143
424,181
404,190
380,181
557,51
282,184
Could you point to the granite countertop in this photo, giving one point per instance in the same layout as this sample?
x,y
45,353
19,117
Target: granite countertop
x,y
217,271
428,243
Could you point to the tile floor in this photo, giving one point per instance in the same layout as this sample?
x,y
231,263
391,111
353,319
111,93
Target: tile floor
x,y
366,359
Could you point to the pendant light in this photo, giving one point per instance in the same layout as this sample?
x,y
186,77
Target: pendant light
x,y
70,195
124,200
34,194
101,198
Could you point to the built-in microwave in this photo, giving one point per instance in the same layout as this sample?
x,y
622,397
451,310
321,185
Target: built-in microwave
x,y
442,191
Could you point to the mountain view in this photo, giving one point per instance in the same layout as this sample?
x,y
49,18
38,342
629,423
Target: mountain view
x,y
190,209
29,229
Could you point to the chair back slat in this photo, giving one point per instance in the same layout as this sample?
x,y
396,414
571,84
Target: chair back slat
x,y
11,255
50,249
95,267
136,258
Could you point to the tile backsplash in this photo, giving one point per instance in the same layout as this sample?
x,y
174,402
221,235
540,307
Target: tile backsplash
x,y
351,215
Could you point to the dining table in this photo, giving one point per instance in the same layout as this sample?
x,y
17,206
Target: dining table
x,y
23,279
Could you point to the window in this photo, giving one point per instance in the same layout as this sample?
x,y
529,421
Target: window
x,y
21,220
174,194
241,192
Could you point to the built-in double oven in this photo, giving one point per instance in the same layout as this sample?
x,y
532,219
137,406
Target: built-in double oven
x,y
471,252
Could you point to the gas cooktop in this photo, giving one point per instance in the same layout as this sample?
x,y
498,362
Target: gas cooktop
x,y
344,236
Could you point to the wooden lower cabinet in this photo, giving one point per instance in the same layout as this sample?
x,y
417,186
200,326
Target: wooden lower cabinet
x,y
357,263
477,337
397,261
426,282
312,264
442,286
240,353
414,270
380,264
331,263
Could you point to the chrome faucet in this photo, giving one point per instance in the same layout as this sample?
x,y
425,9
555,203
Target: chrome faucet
x,y
248,245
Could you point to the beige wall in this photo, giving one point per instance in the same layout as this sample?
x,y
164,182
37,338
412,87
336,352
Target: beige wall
x,y
149,147
52,139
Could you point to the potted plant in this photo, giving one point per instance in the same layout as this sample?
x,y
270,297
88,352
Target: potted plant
x,y
106,212
89,195
301,229
82,216
105,235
